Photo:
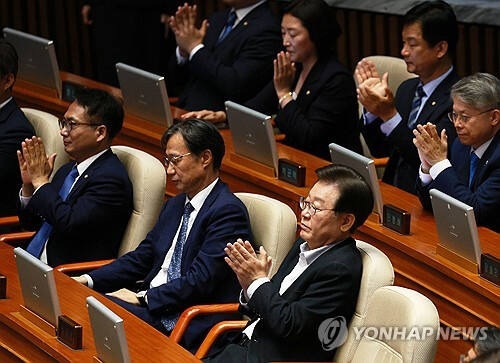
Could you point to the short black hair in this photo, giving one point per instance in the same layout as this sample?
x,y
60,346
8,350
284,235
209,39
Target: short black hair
x,y
489,340
199,136
320,21
355,195
8,59
438,22
102,107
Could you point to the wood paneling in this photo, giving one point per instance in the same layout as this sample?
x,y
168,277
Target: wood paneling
x,y
364,34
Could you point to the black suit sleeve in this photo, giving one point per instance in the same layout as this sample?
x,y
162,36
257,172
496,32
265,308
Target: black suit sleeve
x,y
327,295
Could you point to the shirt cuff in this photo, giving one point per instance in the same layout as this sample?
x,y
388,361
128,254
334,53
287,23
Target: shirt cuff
x,y
255,285
243,298
143,294
368,117
424,178
24,200
437,168
195,49
388,126
180,58
90,282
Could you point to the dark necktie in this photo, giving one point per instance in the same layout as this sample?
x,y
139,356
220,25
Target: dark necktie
x,y
473,165
36,245
415,106
228,27
174,269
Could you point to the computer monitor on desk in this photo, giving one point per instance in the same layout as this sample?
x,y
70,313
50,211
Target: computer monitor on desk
x,y
37,286
37,59
144,94
109,335
365,167
252,134
457,231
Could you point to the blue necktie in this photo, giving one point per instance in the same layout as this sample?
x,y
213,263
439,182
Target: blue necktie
x,y
36,245
473,164
174,269
228,27
415,106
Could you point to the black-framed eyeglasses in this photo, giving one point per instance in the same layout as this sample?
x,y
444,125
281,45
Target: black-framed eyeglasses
x,y
174,159
68,124
454,116
305,204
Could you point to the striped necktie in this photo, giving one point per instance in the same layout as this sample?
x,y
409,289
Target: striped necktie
x,y
36,245
415,106
174,269
231,19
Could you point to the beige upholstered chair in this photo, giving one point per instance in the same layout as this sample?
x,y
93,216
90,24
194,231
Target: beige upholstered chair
x,y
46,127
377,272
404,309
274,226
273,223
148,178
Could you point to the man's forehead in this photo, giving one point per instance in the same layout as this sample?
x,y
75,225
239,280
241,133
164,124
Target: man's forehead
x,y
324,192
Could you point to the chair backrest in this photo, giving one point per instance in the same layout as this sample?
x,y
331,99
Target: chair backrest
x,y
377,272
148,178
396,67
46,127
274,225
401,326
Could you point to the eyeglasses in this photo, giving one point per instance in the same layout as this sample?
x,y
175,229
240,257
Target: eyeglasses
x,y
68,124
453,116
174,159
303,204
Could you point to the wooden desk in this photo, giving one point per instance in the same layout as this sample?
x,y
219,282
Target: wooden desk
x,y
463,299
145,343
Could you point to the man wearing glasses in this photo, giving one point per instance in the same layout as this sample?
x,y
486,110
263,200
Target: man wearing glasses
x,y
181,261
82,213
318,280
472,174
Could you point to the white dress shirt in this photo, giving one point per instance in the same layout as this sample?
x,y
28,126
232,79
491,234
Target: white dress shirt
x,y
306,258
2,105
81,167
240,14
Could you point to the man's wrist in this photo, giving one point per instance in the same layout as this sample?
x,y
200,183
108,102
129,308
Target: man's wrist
x,y
37,183
389,114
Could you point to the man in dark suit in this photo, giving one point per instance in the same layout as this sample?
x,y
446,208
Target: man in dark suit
x,y
14,128
230,59
82,213
181,261
472,174
429,42
316,286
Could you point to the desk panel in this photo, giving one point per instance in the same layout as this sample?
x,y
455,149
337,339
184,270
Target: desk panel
x,y
462,298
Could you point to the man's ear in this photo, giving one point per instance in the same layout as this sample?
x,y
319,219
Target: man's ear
x,y
8,81
101,132
495,118
347,221
207,158
441,49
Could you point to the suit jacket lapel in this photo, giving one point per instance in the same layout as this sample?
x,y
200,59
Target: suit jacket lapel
x,y
87,175
312,84
482,164
6,110
240,27
438,98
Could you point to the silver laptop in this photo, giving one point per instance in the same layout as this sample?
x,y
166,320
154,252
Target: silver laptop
x,y
456,226
38,286
109,334
37,59
364,166
252,134
144,94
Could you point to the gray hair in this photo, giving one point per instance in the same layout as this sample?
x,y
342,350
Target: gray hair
x,y
480,91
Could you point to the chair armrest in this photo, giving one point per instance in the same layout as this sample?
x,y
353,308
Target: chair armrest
x,y
15,239
80,267
9,221
190,313
381,161
215,332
